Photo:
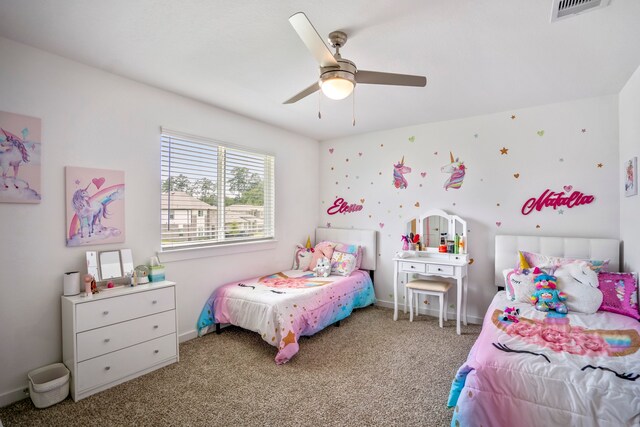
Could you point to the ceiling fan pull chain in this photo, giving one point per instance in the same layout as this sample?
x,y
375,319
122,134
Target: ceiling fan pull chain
x,y
319,104
353,96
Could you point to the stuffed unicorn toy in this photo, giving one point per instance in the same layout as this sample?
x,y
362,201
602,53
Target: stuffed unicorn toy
x,y
323,267
580,283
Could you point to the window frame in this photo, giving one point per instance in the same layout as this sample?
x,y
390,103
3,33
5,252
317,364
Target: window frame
x,y
212,246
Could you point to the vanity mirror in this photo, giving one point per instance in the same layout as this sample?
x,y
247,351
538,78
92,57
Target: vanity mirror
x,y
436,227
110,265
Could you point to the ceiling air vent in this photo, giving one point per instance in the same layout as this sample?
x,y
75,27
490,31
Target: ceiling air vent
x,y
567,8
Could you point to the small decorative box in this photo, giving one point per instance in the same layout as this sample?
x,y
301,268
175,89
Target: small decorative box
x,y
156,273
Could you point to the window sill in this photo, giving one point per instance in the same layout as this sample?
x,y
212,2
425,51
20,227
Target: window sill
x,y
213,251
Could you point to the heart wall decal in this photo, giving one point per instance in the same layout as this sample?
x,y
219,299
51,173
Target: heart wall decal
x,y
568,188
98,182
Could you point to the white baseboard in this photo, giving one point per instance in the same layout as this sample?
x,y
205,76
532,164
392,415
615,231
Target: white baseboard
x,y
187,336
12,396
451,314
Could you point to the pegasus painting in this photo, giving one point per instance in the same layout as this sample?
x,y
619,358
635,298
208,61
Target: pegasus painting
x,y
19,158
94,217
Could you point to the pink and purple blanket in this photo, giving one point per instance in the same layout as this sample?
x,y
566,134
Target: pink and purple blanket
x,y
579,369
283,306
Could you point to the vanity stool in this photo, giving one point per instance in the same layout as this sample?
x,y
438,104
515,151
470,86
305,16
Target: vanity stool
x,y
428,287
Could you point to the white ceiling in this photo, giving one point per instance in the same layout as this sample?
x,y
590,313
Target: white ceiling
x,y
479,56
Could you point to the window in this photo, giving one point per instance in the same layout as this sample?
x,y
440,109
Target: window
x,y
214,193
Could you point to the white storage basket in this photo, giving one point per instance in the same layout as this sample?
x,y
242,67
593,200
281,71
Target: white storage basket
x,y
48,385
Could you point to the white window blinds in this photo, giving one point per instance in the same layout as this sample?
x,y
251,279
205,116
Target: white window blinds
x,y
213,193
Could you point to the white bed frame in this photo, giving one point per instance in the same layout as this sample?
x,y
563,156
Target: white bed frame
x,y
507,248
367,239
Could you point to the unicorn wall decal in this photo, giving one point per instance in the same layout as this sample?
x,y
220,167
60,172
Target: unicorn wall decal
x,y
12,153
90,212
457,170
399,169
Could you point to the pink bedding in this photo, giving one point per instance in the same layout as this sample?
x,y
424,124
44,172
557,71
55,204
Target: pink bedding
x,y
578,370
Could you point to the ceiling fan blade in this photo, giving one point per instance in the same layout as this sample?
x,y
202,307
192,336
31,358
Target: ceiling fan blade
x,y
377,78
308,91
312,40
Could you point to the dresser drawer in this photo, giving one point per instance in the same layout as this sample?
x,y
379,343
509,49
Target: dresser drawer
x,y
414,267
440,269
114,366
95,314
97,342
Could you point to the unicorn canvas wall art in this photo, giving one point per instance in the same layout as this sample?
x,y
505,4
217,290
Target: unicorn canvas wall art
x,y
95,206
19,158
399,170
457,170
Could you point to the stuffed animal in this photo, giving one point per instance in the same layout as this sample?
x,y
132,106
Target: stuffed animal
x,y
323,267
580,283
547,297
510,314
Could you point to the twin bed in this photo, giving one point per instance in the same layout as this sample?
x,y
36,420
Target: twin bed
x,y
578,370
582,369
286,305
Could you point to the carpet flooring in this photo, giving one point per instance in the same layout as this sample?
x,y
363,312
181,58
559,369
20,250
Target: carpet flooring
x,y
369,371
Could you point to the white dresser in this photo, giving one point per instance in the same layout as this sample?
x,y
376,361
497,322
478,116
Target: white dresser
x,y
118,335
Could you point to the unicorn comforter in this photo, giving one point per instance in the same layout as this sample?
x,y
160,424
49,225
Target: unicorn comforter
x,y
284,306
578,370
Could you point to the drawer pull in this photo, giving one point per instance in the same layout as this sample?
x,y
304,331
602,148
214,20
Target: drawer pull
x,y
156,351
413,266
154,302
439,269
105,312
106,368
155,326
107,339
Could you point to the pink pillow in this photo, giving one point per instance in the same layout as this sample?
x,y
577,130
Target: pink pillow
x,y
551,263
620,294
322,249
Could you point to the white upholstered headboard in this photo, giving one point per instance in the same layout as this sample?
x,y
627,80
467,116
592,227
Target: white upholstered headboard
x,y
364,238
507,248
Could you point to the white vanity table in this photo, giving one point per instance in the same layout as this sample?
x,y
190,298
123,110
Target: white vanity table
x,y
430,262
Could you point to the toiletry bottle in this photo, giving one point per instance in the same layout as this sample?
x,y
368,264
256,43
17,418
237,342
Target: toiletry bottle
x,y
462,245
456,244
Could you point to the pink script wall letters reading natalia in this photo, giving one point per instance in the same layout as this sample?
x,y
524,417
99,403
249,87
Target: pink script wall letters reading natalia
x,y
555,200
340,206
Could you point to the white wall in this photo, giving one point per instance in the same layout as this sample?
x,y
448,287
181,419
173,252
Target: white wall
x,y
360,167
92,118
629,110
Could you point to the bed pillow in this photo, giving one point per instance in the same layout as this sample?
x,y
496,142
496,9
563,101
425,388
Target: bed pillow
x,y
342,263
301,257
355,250
580,283
519,284
322,249
551,263
620,291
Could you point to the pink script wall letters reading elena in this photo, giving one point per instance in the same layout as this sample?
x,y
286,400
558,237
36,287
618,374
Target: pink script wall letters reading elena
x,y
340,206
555,200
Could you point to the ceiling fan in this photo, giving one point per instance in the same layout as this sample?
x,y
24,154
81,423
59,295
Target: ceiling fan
x,y
338,76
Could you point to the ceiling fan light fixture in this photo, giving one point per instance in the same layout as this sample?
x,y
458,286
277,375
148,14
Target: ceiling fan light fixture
x,y
336,88
337,84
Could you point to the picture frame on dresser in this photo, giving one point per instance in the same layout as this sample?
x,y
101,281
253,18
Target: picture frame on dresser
x,y
118,335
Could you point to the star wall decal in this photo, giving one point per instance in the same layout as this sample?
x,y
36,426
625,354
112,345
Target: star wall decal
x,y
584,130
513,117
600,165
504,150
561,212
